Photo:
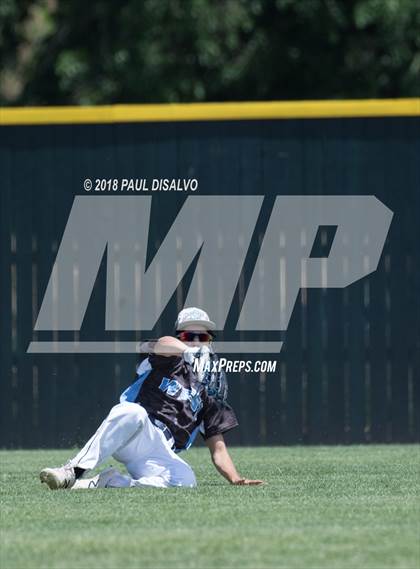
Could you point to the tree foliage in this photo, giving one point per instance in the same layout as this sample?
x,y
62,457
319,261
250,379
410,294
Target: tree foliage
x,y
113,51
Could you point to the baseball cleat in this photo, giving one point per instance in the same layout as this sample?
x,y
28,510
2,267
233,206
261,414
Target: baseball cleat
x,y
56,478
104,479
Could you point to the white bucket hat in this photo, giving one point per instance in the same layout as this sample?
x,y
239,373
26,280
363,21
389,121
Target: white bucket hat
x,y
193,315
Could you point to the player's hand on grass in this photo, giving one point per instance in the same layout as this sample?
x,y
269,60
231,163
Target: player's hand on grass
x,y
247,482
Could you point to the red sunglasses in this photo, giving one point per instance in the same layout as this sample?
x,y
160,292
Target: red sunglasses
x,y
191,335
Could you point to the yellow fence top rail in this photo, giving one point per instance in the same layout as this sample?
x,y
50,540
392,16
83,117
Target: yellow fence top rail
x,y
210,111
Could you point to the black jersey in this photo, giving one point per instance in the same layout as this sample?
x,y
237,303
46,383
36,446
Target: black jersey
x,y
172,393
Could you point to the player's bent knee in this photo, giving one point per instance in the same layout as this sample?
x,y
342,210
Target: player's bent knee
x,y
182,477
189,480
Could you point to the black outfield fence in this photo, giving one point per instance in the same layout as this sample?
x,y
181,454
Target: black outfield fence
x,y
349,368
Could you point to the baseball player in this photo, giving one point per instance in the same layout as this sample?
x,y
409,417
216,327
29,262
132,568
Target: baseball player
x,y
158,416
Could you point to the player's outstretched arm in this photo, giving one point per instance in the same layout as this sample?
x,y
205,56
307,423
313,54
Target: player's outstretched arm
x,y
169,346
224,464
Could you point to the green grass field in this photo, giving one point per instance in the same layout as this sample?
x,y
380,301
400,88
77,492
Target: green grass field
x,y
338,507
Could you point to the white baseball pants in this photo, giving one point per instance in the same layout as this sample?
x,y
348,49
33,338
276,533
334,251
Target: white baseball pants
x,y
128,435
